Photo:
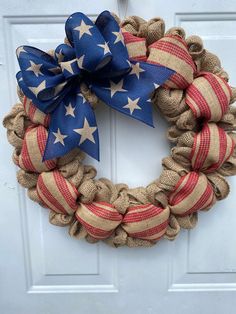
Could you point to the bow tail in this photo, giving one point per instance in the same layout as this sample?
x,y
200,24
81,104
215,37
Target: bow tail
x,y
130,94
72,124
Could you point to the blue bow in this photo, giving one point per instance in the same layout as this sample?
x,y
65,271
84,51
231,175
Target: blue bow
x,y
97,56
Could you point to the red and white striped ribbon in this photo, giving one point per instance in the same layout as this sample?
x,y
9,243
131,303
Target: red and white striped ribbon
x,y
209,97
193,192
33,147
146,222
212,147
57,193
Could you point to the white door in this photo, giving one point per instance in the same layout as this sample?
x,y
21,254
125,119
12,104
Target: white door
x,y
42,269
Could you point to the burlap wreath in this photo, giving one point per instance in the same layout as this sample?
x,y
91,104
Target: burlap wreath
x,y
197,101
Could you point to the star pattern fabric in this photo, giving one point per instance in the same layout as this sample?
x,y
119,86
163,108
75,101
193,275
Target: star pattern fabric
x,y
34,67
132,105
136,70
59,138
83,29
119,37
86,132
96,56
105,48
70,110
19,50
116,87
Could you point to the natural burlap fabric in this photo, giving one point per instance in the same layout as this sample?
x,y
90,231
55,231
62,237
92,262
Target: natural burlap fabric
x,y
16,123
193,176
151,30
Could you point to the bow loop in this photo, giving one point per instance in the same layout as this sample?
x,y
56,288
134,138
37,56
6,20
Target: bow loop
x,y
40,77
36,64
111,32
87,41
64,52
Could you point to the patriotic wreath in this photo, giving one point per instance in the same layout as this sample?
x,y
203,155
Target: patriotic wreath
x,y
129,66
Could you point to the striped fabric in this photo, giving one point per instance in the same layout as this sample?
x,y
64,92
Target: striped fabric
x,y
34,114
193,192
171,51
32,151
212,147
99,218
136,46
146,222
57,193
208,97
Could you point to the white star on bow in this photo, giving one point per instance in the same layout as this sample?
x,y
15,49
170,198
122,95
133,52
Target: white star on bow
x,y
19,50
86,132
136,70
70,110
116,87
119,37
38,88
60,55
59,138
34,67
105,48
83,29
156,85
80,61
67,66
132,105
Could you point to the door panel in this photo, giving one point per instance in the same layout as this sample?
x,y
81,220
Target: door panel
x,y
42,269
